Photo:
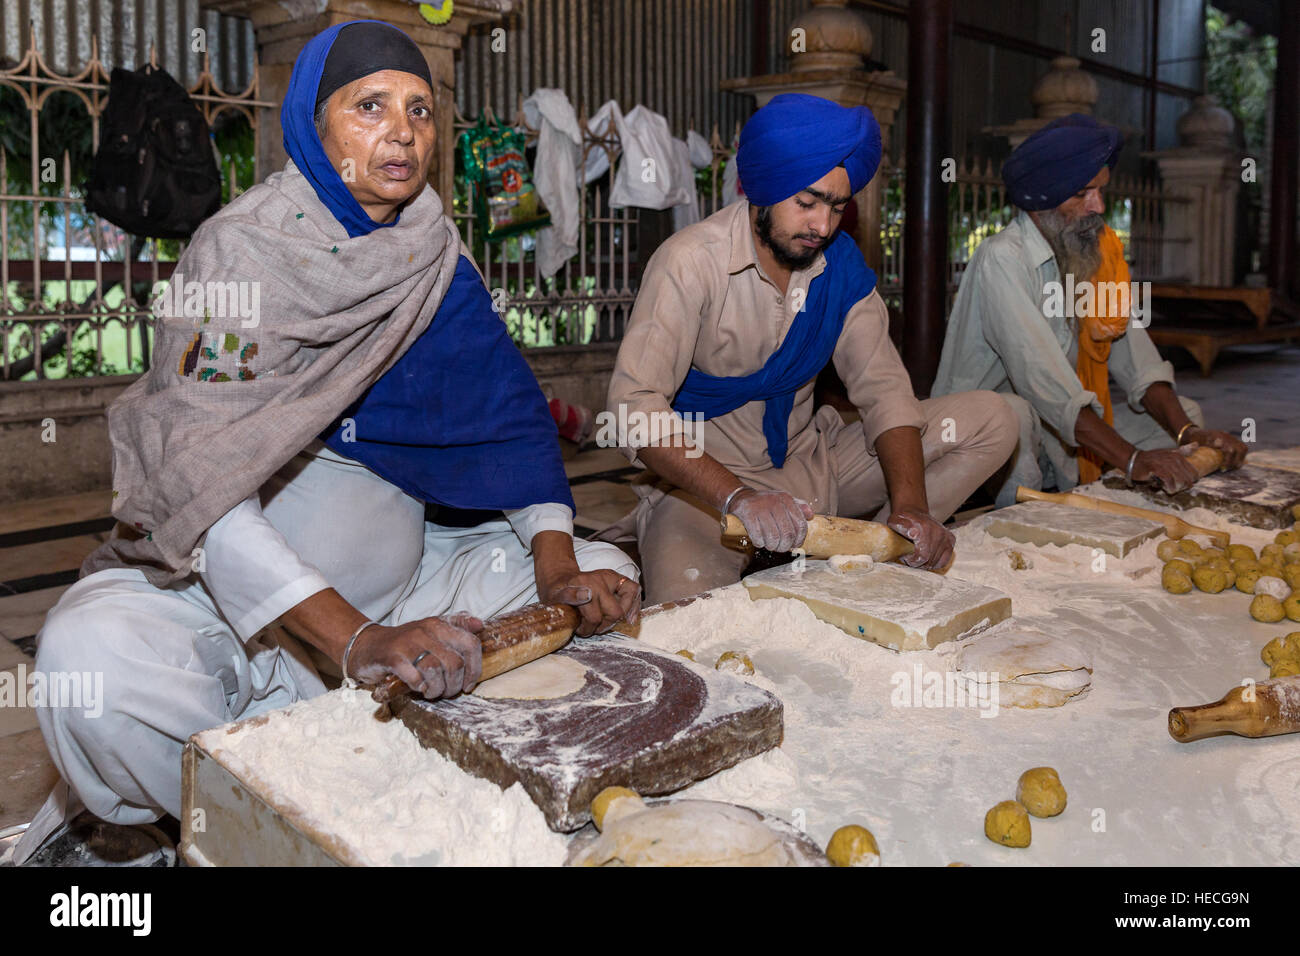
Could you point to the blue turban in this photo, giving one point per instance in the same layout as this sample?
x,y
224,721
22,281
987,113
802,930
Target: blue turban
x,y
796,139
1059,160
316,68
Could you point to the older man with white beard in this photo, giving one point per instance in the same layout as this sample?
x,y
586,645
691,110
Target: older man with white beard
x,y
1053,365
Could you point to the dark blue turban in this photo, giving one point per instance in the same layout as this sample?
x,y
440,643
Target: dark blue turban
x,y
796,139
1059,160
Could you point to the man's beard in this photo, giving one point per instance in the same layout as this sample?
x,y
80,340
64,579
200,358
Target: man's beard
x,y
786,257
1075,243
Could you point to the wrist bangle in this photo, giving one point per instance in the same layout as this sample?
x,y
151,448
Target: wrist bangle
x,y
1179,439
726,505
1128,470
352,640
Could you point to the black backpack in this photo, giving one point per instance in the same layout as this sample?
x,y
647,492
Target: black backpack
x,y
155,173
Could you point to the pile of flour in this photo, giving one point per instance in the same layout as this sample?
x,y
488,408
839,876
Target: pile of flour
x,y
371,785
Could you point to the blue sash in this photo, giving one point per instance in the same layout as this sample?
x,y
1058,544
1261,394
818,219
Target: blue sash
x,y
804,352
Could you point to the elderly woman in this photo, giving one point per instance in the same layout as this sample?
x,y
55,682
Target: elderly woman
x,y
273,482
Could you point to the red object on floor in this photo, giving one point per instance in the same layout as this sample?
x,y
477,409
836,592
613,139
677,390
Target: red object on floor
x,y
573,421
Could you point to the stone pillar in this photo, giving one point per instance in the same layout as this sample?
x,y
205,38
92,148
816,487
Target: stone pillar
x,y
1062,90
283,28
1205,170
828,62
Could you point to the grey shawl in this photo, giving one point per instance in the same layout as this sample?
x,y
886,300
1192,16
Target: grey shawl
x,y
224,406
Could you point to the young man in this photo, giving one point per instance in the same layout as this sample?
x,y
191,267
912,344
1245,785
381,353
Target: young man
x,y
1052,364
279,472
735,317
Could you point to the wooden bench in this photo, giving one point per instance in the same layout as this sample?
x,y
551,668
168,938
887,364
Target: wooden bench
x,y
1219,323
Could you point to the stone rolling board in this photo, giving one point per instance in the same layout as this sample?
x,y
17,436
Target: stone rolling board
x,y
1044,522
1251,495
645,719
888,604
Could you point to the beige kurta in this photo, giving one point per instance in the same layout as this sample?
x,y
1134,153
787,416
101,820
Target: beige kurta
x,y
705,302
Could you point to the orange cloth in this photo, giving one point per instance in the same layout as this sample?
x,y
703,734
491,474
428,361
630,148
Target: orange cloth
x,y
1098,327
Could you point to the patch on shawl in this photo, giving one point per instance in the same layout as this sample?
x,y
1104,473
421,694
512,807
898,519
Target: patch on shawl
x,y
226,358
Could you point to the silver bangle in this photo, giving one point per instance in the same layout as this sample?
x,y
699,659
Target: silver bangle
x,y
726,505
352,640
1128,471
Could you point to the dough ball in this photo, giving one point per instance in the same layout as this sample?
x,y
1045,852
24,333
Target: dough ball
x,y
1271,552
1221,563
1018,561
1246,579
1285,669
606,800
1041,792
1275,586
1291,606
1284,538
686,654
1291,553
1008,824
853,846
735,662
1178,564
1240,552
1175,581
1291,575
1282,649
1244,564
1167,549
1188,548
1266,608
1210,579
1212,554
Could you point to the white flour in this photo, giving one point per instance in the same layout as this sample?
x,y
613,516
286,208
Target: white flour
x,y
920,778
371,784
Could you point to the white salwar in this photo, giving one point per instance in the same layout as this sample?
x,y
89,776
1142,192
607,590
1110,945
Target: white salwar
x,y
207,651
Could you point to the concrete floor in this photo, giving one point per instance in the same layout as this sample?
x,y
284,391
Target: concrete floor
x,y
42,543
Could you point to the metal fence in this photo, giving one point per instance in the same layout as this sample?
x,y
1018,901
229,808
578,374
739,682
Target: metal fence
x,y
590,298
75,290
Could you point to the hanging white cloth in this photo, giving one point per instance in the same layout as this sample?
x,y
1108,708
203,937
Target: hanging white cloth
x,y
649,173
695,153
555,175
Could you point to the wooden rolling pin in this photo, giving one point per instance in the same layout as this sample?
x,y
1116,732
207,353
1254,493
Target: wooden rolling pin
x,y
1175,527
1274,710
1205,459
829,535
508,641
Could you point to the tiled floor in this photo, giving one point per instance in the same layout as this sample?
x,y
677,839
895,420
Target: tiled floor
x,y
42,543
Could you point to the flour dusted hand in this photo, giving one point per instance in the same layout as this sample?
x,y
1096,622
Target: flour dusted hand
x,y
933,542
436,656
773,519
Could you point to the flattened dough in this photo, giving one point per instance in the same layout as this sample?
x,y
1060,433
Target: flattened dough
x,y
1035,669
543,679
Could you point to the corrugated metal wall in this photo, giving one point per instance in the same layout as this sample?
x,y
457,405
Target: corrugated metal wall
x,y
669,55
125,29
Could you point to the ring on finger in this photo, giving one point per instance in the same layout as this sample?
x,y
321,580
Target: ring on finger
x,y
420,657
